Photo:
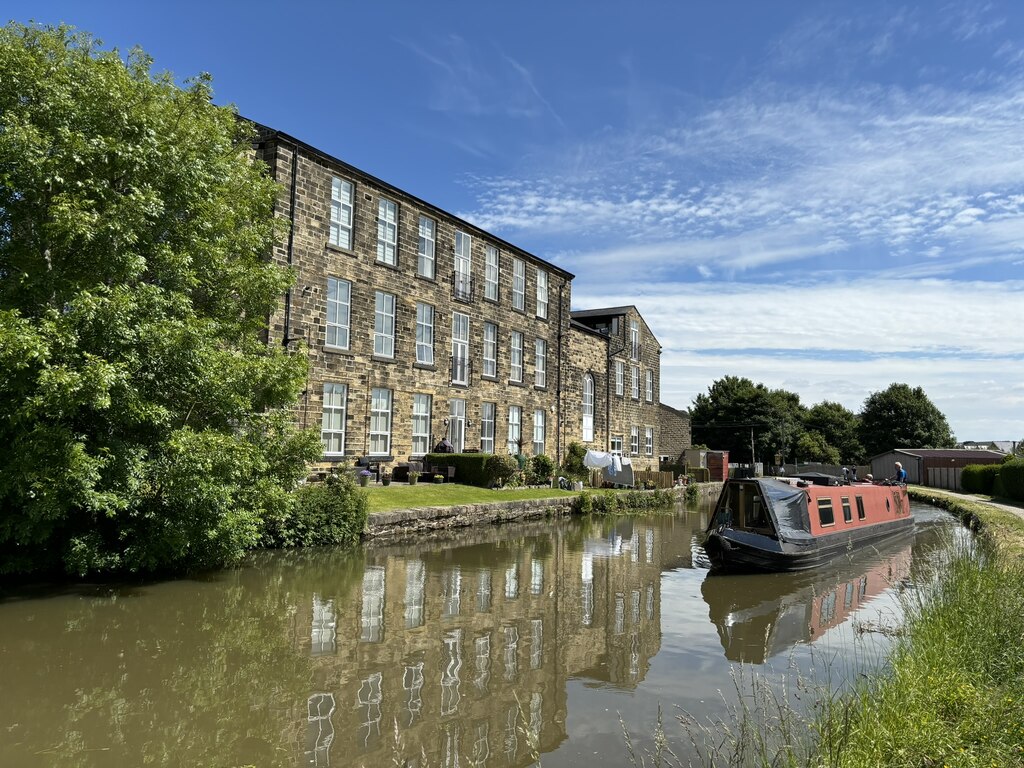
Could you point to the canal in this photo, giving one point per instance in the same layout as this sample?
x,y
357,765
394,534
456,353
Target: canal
x,y
485,648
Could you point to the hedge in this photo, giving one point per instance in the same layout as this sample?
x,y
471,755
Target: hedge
x,y
980,478
1011,476
470,468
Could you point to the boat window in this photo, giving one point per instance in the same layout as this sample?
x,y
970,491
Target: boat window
x,y
887,507
847,512
825,513
860,507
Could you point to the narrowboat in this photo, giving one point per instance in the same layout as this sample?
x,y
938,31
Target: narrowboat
x,y
770,524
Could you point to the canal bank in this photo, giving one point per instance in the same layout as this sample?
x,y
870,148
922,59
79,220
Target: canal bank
x,y
398,523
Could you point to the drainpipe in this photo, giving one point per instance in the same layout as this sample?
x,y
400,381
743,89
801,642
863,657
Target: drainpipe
x,y
291,245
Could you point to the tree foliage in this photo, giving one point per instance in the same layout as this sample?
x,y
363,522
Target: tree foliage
x,y
734,407
837,426
902,417
139,409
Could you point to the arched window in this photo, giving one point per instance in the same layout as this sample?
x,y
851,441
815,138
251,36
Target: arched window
x,y
588,408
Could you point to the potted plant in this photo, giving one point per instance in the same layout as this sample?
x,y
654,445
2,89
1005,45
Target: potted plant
x,y
414,476
364,477
385,478
438,478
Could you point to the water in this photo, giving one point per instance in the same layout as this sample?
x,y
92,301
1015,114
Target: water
x,y
484,648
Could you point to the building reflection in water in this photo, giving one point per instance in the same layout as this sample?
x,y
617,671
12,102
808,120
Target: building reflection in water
x,y
760,616
415,653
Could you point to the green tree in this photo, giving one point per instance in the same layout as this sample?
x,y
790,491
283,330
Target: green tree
x,y
838,427
734,407
812,446
139,408
902,417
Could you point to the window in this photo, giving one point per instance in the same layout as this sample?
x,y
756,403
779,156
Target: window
x,y
635,384
421,407
620,378
425,253
825,514
616,444
650,386
460,348
457,423
332,430
518,284
380,422
384,325
487,411
516,357
387,232
648,441
634,440
424,334
342,194
339,305
860,508
491,274
634,339
539,431
542,293
463,284
847,511
515,428
588,408
540,363
490,350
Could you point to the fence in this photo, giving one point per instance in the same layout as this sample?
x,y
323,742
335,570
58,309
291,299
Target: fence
x,y
945,477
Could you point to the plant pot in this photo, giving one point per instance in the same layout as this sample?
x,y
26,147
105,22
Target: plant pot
x,y
438,480
364,481
413,480
385,481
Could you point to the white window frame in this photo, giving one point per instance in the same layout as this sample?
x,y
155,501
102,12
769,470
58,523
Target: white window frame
x,y
616,444
649,388
516,357
457,423
648,441
334,416
422,406
542,294
490,350
539,431
384,324
620,378
460,348
343,195
519,284
380,421
424,333
488,416
339,312
634,440
540,363
463,281
515,428
588,408
387,231
491,273
426,263
635,385
634,339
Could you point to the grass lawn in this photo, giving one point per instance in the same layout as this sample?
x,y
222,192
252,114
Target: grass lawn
x,y
404,496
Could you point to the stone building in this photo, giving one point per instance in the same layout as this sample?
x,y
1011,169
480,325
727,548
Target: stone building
x,y
420,325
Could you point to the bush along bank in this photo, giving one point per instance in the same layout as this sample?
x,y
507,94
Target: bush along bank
x,y
612,502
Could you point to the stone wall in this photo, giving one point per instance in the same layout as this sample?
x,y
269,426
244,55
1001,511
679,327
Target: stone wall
x,y
675,433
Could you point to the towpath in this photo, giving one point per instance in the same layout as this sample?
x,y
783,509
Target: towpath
x,y
1016,509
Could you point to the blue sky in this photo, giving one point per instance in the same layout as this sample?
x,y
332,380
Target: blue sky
x,y
821,196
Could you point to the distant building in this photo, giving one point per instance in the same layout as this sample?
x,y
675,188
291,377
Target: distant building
x,y
1005,446
933,467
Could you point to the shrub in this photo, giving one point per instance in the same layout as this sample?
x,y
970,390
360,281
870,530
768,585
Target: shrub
x,y
543,466
692,494
331,512
583,504
573,467
1011,475
500,468
980,478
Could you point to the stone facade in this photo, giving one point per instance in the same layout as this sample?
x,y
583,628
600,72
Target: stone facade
x,y
401,356
675,434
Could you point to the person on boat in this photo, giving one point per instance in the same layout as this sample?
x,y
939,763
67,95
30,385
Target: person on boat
x,y
846,475
853,474
901,474
869,478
